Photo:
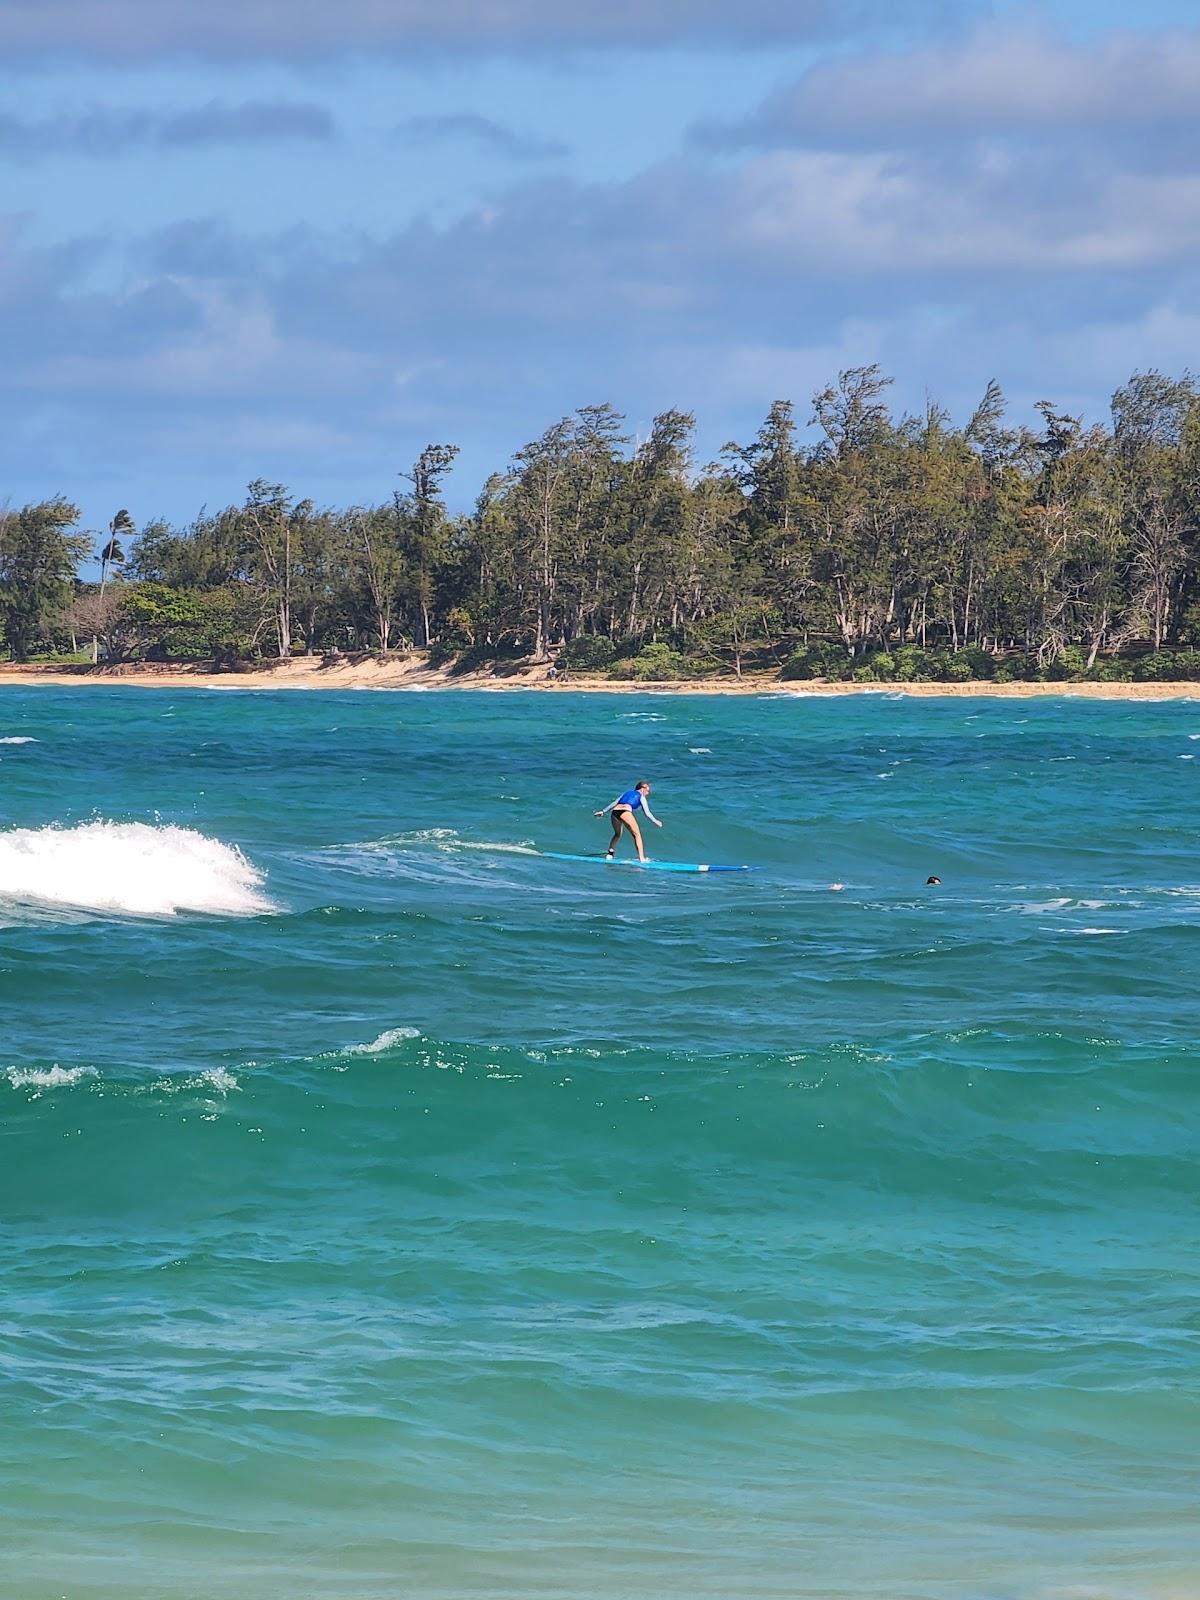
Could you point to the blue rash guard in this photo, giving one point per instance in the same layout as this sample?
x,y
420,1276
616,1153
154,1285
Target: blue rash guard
x,y
631,799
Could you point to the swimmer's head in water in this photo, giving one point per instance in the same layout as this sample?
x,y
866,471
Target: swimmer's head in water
x,y
933,880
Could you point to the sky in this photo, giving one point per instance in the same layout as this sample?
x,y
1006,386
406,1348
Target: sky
x,y
300,240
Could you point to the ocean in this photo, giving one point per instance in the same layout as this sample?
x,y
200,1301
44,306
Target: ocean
x,y
390,1211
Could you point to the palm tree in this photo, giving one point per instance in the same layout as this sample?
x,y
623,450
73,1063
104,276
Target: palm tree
x,y
111,555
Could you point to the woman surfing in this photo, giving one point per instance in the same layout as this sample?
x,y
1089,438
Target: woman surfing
x,y
624,810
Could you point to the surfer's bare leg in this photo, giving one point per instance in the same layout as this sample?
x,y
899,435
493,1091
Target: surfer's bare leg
x,y
637,834
616,838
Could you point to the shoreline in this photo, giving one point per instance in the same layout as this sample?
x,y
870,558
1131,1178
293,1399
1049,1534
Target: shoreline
x,y
416,673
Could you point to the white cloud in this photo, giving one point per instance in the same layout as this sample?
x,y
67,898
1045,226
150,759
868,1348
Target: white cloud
x,y
876,215
229,348
997,79
1051,255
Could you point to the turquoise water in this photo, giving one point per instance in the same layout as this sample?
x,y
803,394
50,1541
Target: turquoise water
x,y
391,1212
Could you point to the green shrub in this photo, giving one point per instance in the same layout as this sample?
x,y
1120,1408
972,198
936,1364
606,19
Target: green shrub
x,y
1115,670
825,660
908,663
980,663
190,624
1019,668
956,669
654,663
1168,666
914,663
880,667
1071,663
590,652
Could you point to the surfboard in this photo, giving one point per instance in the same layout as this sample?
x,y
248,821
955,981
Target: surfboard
x,y
649,866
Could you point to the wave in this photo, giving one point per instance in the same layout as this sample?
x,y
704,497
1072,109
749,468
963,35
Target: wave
x,y
389,1039
39,1079
129,868
414,852
1026,1119
217,1080
19,738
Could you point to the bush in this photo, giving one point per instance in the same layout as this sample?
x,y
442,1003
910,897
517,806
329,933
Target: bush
x,y
909,663
1069,665
1168,666
913,663
189,625
825,660
880,667
1115,670
655,663
979,663
1017,669
590,652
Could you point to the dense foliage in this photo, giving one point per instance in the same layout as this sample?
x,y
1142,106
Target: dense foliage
x,y
890,548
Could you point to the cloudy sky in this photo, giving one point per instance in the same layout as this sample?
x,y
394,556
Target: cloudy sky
x,y
300,239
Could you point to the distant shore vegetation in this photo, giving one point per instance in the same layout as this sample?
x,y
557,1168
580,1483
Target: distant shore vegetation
x,y
893,548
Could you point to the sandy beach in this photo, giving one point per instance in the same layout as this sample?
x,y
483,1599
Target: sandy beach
x,y
416,672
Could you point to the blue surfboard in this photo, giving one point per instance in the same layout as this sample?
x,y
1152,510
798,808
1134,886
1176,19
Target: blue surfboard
x,y
649,866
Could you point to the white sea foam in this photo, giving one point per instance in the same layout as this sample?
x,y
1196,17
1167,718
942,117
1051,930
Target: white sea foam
x,y
444,839
395,688
502,849
386,1041
42,1078
19,738
128,867
217,1080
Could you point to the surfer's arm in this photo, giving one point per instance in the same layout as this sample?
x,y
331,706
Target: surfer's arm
x,y
650,815
607,808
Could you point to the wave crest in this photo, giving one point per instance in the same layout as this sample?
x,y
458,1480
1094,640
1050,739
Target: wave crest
x,y
39,1079
129,867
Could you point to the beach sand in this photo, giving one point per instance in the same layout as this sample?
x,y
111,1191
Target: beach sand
x,y
415,671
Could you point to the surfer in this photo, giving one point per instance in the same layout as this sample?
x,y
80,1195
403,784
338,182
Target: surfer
x,y
623,811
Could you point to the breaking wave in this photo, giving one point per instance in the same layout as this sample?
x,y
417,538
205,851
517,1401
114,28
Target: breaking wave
x,y
129,868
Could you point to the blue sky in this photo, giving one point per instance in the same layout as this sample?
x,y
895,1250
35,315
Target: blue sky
x,y
288,239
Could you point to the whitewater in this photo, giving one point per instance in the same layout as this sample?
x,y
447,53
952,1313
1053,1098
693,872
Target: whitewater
x,y
134,868
390,1209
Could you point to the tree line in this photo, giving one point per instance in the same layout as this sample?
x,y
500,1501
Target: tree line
x,y
877,541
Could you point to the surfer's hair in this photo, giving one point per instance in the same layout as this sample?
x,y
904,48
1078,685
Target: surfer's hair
x,y
641,784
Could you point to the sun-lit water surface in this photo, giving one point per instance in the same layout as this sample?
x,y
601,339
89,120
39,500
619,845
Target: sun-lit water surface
x,y
389,1211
